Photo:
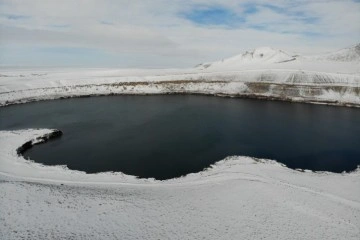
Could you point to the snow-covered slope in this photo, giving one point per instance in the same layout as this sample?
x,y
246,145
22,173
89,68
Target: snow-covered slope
x,y
351,54
263,73
259,55
344,60
237,198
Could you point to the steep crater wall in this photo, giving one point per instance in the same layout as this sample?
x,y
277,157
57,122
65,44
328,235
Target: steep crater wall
x,y
333,89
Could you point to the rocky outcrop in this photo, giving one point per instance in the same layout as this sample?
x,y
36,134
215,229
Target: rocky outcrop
x,y
325,93
41,139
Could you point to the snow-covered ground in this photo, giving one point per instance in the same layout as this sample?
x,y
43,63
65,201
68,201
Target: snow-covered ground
x,y
265,73
237,198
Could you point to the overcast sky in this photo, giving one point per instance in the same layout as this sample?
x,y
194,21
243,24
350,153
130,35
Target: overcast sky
x,y
167,33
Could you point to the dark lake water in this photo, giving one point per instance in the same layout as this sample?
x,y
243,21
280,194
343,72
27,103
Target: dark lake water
x,y
169,136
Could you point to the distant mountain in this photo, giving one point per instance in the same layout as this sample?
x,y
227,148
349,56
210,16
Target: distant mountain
x,y
351,54
263,54
267,55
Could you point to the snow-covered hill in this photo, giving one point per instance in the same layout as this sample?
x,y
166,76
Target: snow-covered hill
x,y
351,54
258,55
344,60
266,73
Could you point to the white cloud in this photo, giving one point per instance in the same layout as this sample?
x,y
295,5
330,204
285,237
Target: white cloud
x,y
156,32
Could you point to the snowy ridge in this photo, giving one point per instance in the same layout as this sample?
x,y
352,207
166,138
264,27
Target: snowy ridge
x,y
258,55
351,54
268,56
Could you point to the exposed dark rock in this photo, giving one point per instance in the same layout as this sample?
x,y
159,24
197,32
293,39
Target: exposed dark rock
x,y
42,139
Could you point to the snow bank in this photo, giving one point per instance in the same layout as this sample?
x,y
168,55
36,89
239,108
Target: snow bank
x,y
237,198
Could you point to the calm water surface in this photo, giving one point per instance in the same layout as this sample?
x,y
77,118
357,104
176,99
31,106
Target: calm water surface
x,y
170,136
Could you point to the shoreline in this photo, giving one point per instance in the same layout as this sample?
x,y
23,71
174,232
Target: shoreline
x,y
300,93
